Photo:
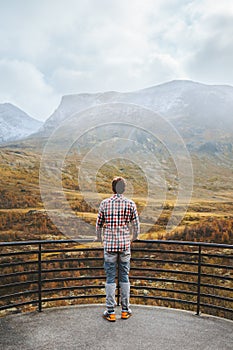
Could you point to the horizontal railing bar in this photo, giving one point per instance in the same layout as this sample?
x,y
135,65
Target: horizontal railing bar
x,y
71,259
71,250
4,307
73,297
164,298
216,287
19,263
72,279
135,268
80,241
197,244
11,285
73,269
147,250
104,277
179,262
216,307
132,287
218,266
217,277
27,292
103,296
217,297
14,274
35,242
164,270
101,268
73,288
101,259
164,290
132,249
31,252
224,256
153,279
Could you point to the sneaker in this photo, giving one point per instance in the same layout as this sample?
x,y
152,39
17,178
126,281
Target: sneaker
x,y
110,316
125,314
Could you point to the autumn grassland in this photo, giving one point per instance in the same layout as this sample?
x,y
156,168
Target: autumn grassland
x,y
209,216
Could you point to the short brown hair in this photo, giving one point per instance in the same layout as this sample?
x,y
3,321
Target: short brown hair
x,y
118,185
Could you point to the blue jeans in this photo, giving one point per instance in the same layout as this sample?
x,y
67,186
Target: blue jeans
x,y
110,264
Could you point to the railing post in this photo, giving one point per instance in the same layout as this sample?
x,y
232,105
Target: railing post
x,y
118,279
199,282
39,279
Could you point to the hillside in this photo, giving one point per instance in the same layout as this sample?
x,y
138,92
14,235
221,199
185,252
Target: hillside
x,y
23,215
16,124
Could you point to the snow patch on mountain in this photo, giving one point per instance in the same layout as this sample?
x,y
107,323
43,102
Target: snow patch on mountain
x,y
16,124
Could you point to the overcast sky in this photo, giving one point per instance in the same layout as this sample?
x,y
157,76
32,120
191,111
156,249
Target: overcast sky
x,y
50,48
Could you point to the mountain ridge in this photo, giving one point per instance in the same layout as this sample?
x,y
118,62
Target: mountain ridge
x,y
150,97
15,124
201,113
190,106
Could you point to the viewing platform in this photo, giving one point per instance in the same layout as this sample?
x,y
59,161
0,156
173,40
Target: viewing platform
x,y
82,327
46,283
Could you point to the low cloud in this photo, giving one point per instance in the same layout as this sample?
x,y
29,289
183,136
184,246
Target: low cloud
x,y
23,85
54,47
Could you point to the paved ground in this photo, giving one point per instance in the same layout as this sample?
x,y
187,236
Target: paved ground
x,y
82,327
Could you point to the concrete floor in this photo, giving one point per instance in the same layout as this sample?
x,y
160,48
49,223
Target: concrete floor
x,y
82,327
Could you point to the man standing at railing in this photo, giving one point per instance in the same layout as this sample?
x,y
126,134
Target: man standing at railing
x,y
115,216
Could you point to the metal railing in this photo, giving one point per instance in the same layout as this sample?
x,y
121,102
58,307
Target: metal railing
x,y
196,276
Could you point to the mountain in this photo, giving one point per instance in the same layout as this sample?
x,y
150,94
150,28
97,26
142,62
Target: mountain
x,y
200,112
16,124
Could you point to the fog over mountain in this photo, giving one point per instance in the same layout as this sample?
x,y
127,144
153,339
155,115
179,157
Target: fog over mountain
x,y
15,124
201,113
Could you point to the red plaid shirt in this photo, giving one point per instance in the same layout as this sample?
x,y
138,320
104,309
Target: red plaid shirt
x,y
115,215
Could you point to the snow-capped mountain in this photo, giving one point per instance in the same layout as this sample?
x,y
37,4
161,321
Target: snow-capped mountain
x,y
193,108
15,124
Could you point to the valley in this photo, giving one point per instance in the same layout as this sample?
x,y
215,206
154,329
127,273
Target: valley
x,y
24,217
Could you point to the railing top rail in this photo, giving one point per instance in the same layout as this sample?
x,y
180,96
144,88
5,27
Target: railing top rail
x,y
169,242
203,244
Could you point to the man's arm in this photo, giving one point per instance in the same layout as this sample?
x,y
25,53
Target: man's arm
x,y
135,223
99,223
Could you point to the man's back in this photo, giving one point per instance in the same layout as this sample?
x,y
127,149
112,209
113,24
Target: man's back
x,y
115,215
